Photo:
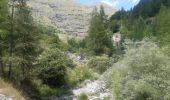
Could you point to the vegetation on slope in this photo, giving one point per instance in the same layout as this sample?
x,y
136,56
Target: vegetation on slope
x,y
143,73
34,58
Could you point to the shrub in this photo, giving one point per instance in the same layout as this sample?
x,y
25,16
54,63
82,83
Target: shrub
x,y
73,44
46,91
114,82
100,64
52,67
82,96
143,73
76,45
80,74
139,90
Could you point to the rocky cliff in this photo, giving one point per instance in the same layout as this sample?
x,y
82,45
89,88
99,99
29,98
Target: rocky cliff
x,y
67,16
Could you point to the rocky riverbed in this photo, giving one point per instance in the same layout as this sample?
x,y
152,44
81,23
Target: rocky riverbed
x,y
95,90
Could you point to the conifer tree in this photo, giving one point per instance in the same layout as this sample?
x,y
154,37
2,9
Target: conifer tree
x,y
99,41
139,28
162,24
26,34
11,37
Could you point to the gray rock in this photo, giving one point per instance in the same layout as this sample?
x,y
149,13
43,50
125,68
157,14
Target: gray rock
x,y
97,87
3,97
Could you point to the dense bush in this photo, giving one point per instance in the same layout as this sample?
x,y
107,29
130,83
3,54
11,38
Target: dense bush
x,y
82,96
73,44
80,74
52,67
143,73
46,91
100,64
161,26
114,82
76,45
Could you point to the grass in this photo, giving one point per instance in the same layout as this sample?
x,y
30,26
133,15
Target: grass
x,y
8,90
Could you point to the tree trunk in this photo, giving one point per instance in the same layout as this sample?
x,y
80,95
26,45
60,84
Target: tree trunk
x,y
23,70
11,41
1,62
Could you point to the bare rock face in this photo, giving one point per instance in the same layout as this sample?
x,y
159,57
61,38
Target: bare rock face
x,y
3,97
67,16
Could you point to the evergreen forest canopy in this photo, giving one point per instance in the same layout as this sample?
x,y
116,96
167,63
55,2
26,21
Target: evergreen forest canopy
x,y
36,61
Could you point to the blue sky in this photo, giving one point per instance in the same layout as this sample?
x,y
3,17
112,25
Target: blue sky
x,y
126,4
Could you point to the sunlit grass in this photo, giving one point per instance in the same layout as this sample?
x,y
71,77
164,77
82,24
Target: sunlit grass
x,y
8,90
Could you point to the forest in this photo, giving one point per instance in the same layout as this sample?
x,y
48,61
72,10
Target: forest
x,y
40,66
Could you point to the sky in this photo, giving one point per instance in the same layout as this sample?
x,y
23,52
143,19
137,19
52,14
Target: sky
x,y
126,4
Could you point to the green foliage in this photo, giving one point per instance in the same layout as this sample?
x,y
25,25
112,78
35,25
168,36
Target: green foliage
x,y
118,15
139,28
146,19
76,45
161,27
80,74
98,40
73,45
52,67
73,42
149,8
114,82
100,64
114,26
50,41
135,29
4,14
26,44
82,96
143,73
140,90
46,91
3,32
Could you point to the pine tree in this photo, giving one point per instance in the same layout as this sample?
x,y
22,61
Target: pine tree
x,y
162,24
99,41
102,14
26,42
11,38
139,28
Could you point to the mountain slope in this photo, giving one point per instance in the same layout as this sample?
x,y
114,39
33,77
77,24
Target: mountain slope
x,y
65,15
